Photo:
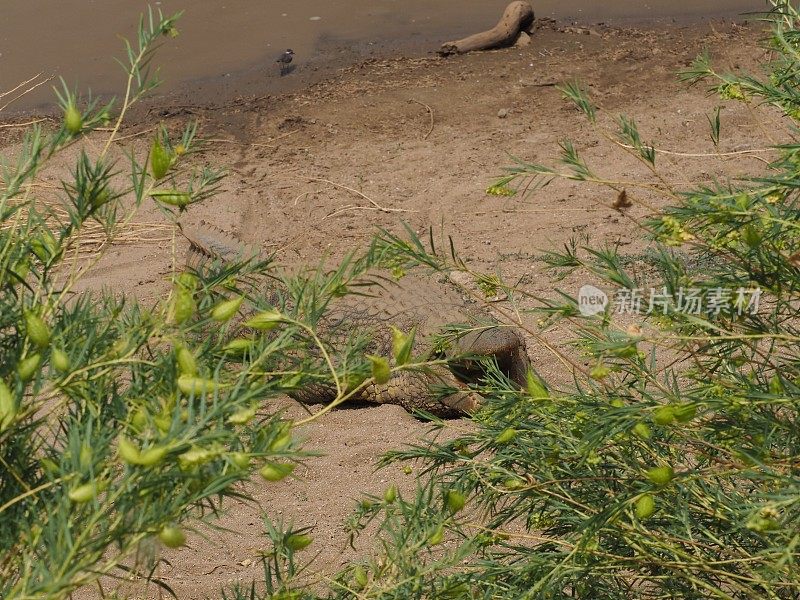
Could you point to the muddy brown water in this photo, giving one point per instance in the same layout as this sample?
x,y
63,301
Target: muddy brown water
x,y
228,47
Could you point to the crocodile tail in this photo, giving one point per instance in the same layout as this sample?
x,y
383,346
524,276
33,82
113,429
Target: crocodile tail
x,y
210,243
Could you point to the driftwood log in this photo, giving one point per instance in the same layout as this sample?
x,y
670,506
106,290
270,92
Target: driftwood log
x,y
517,18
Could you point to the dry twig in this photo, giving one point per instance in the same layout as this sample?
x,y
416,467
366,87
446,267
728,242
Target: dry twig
x,y
360,194
430,112
23,92
25,124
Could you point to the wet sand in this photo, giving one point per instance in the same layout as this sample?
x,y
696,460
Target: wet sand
x,y
228,47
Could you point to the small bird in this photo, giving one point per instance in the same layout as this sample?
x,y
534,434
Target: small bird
x,y
284,61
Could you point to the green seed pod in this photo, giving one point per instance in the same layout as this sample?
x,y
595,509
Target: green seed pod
x,y
437,536
506,436
50,467
751,236
402,344
163,422
152,456
664,415
50,242
172,197
281,442
240,459
39,249
535,386
83,493
172,536
265,321
642,430
243,416
617,403
85,456
197,385
276,471
159,159
73,120
645,507
183,306
238,347
8,406
187,280
360,576
197,455
130,454
298,541
390,495
456,592
762,524
599,372
742,201
100,198
776,385
186,361
139,419
21,269
128,451
120,347
28,367
60,360
455,501
226,309
660,476
512,483
628,351
381,371
685,412
37,329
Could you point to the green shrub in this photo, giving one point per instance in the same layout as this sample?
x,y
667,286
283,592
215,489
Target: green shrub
x,y
123,425
120,424
671,467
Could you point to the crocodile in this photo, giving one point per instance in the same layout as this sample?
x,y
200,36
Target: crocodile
x,y
425,303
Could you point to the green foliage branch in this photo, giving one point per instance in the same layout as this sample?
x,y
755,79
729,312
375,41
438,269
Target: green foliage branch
x,y
124,425
670,467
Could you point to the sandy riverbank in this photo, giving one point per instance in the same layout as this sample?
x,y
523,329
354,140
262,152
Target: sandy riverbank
x,y
424,137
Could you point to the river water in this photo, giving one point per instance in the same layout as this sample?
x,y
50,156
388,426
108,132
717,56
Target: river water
x,y
240,39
